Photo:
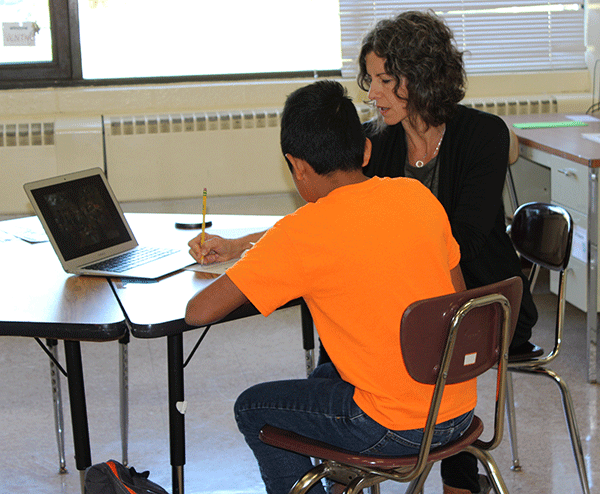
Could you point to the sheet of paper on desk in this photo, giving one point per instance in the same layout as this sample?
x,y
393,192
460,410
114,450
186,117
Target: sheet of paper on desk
x,y
579,245
582,118
5,237
29,229
215,267
592,137
221,267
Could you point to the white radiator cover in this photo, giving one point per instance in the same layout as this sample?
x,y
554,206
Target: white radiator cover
x,y
39,149
175,155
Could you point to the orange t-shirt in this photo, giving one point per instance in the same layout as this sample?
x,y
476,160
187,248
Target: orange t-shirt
x,y
359,257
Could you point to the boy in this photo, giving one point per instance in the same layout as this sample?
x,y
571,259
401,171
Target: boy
x,y
364,400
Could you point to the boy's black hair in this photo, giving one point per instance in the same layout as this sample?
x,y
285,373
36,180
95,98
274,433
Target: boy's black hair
x,y
320,125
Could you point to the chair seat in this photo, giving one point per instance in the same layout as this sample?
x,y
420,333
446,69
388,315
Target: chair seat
x,y
310,447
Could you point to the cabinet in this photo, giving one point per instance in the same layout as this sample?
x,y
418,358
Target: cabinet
x,y
568,183
569,163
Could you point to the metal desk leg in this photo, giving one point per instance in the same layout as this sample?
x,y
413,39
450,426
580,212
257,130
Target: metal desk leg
x,y
176,417
308,337
59,423
81,436
512,190
124,396
592,281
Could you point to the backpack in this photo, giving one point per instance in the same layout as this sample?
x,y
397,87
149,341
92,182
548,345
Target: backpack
x,y
113,478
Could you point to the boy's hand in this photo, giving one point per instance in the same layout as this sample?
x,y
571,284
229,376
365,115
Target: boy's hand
x,y
215,249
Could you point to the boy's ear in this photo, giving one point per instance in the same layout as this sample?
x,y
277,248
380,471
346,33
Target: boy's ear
x,y
368,149
298,166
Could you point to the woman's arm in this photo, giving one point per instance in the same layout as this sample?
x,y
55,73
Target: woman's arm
x,y
473,182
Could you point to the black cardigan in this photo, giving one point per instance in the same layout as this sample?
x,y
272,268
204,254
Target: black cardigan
x,y
472,166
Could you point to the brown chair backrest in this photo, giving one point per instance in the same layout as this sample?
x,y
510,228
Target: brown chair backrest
x,y
426,324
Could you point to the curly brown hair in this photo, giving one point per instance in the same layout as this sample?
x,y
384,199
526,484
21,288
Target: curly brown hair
x,y
419,48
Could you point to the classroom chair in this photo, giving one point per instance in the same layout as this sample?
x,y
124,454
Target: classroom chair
x,y
542,233
444,340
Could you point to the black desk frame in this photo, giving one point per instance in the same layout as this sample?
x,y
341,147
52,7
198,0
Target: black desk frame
x,y
72,335
173,330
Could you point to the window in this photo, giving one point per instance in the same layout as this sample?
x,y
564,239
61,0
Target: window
x,y
497,36
36,41
150,38
117,41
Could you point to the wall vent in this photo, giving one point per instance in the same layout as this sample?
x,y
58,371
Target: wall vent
x,y
27,134
203,121
193,122
515,106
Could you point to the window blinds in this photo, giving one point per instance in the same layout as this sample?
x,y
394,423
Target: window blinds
x,y
496,36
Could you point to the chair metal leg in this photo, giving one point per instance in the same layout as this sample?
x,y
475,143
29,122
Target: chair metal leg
x,y
58,406
571,419
512,423
416,486
357,485
303,485
491,468
124,398
374,489
512,190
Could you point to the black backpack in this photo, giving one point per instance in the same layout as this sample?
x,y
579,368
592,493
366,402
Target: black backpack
x,y
113,478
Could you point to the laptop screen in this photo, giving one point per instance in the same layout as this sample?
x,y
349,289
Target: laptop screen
x,y
81,215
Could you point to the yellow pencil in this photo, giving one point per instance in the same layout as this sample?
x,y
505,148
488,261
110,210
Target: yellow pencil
x,y
203,222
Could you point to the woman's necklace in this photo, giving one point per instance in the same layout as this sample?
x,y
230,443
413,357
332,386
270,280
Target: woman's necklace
x,y
420,163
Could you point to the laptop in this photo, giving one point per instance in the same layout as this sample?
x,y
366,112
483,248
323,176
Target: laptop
x,y
89,232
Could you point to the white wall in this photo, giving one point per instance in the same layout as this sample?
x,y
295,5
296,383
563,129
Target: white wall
x,y
89,104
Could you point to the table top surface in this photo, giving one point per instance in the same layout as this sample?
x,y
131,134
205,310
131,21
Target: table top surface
x,y
566,142
158,309
40,299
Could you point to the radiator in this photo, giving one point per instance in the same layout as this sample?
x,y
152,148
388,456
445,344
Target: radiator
x,y
175,155
515,106
32,150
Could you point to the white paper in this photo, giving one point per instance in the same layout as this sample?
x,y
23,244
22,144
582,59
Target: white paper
x,y
29,229
5,237
16,34
592,137
579,247
582,118
215,268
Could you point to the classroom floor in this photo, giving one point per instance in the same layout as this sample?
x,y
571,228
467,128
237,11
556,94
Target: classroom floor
x,y
232,357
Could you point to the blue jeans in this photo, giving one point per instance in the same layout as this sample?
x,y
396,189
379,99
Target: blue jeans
x,y
321,407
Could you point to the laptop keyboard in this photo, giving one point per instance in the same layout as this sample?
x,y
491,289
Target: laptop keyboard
x,y
132,259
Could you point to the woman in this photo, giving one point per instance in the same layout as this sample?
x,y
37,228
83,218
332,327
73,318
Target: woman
x,y
415,77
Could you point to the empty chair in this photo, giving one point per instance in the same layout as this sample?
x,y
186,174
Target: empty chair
x,y
444,340
542,233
